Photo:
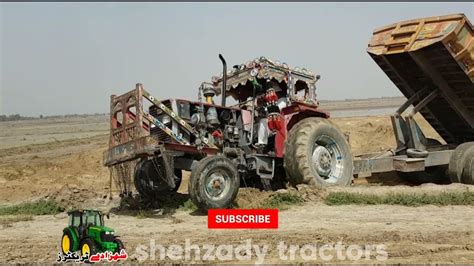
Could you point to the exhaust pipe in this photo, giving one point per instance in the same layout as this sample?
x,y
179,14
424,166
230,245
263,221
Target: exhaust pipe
x,y
224,79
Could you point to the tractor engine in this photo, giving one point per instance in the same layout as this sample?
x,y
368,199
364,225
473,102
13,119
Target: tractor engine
x,y
217,124
221,126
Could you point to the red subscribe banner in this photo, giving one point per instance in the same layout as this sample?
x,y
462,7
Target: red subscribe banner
x,y
242,219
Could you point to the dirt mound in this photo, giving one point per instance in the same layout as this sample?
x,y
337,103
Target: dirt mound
x,y
71,196
375,134
249,198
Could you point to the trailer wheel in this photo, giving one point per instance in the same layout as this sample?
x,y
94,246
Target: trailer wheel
x,y
317,153
468,170
456,162
214,183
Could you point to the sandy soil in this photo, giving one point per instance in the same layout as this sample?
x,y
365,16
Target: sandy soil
x,y
423,234
69,170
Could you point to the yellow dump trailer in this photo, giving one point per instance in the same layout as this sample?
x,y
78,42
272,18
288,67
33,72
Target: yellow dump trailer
x,y
432,55
431,61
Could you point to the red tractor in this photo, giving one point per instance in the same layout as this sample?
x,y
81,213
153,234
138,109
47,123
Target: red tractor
x,y
273,134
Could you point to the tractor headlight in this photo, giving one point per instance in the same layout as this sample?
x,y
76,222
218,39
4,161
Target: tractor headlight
x,y
109,233
166,119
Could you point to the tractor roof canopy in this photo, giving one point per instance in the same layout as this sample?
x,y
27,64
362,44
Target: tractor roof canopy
x,y
240,77
88,217
83,211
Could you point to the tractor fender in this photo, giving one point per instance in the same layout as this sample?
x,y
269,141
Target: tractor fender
x,y
299,111
75,238
293,114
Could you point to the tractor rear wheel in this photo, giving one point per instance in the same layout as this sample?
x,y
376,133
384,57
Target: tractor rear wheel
x,y
88,246
457,161
151,182
66,243
214,183
317,153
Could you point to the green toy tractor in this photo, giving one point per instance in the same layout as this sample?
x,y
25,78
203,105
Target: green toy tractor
x,y
87,233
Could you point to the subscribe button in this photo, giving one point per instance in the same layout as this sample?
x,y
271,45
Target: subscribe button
x,y
242,219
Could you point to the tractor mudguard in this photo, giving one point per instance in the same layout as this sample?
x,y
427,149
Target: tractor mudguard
x,y
299,111
75,238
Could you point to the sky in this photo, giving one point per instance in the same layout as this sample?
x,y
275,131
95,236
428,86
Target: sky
x,y
68,58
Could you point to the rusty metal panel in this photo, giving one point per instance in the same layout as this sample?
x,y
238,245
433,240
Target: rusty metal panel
x,y
375,164
130,150
126,117
409,164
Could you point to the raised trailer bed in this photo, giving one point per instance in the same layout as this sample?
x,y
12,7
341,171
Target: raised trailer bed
x,y
431,61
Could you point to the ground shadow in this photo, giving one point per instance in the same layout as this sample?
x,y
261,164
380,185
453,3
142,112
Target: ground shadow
x,y
407,179
387,179
151,207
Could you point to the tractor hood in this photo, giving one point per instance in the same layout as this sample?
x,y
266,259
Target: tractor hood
x,y
101,229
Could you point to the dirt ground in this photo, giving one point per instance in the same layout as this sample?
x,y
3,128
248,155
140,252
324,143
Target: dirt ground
x,y
62,160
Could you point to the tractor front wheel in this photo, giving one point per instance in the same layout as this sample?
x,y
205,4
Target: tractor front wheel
x,y
317,153
214,183
120,245
88,246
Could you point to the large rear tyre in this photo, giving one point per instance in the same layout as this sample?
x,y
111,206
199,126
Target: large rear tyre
x,y
457,161
467,176
214,183
317,153
66,243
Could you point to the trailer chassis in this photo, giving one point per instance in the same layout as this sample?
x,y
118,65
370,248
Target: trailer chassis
x,y
413,153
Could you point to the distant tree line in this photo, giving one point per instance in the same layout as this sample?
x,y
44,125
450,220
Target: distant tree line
x,y
17,117
14,117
